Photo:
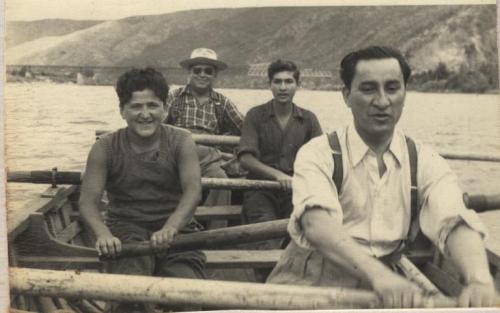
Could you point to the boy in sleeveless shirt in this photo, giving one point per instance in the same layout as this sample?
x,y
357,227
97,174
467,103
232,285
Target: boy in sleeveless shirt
x,y
151,174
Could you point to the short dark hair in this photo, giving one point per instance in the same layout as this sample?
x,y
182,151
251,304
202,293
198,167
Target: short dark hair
x,y
349,62
282,66
138,80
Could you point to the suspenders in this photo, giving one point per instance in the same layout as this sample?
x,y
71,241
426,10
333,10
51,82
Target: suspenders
x,y
338,176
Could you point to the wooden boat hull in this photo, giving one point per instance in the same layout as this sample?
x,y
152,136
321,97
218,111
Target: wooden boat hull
x,y
50,235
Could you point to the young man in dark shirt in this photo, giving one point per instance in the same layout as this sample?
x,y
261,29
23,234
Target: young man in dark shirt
x,y
272,134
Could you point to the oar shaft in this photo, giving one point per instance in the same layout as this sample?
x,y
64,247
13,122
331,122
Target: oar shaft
x,y
216,238
478,202
482,202
203,139
469,156
176,291
75,178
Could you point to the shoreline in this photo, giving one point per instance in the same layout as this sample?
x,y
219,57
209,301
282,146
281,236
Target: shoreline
x,y
12,79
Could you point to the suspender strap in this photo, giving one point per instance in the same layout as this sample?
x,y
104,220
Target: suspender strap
x,y
338,169
338,176
412,153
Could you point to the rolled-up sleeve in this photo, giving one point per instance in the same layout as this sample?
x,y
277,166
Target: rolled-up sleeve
x,y
313,186
249,140
442,202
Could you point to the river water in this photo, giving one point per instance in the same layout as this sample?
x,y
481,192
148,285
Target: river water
x,y
53,125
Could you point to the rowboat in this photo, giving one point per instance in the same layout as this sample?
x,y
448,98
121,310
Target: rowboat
x,y
53,267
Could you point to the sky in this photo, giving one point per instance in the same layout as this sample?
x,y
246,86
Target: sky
x,y
28,10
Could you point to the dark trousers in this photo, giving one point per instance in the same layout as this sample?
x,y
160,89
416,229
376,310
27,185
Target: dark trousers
x,y
262,206
183,264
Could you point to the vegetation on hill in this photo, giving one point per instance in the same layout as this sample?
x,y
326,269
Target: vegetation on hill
x,y
460,38
18,32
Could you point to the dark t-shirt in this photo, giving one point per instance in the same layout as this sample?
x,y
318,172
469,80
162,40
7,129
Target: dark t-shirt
x,y
141,188
262,136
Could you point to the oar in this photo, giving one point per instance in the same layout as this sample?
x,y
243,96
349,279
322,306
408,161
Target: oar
x,y
215,238
204,139
75,178
223,140
478,202
183,291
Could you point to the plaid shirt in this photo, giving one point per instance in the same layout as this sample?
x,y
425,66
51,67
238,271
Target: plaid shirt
x,y
218,116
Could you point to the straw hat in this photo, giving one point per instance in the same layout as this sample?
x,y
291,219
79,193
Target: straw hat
x,y
203,56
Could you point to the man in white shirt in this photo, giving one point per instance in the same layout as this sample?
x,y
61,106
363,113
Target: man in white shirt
x,y
346,238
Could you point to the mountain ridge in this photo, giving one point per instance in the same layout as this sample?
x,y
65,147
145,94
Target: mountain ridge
x,y
461,37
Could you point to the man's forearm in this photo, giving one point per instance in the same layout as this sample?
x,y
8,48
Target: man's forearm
x,y
252,164
466,250
339,247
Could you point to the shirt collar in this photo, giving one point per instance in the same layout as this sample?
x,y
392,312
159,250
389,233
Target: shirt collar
x,y
296,111
358,148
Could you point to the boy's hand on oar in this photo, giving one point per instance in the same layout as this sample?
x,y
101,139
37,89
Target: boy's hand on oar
x,y
108,246
161,240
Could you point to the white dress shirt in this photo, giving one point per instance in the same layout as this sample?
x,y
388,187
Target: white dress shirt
x,y
376,210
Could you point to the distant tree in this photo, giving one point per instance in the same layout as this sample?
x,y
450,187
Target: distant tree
x,y
468,81
87,71
441,71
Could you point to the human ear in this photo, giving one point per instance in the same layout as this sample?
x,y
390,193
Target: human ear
x,y
121,111
346,92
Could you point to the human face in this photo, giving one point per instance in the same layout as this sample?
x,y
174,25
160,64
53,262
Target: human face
x,y
202,76
376,97
283,86
144,113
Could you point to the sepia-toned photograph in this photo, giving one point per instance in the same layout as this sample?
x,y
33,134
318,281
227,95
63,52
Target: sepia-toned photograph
x,y
168,156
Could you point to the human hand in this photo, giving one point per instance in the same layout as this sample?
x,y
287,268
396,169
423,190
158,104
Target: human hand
x,y
162,239
285,181
108,245
477,294
396,291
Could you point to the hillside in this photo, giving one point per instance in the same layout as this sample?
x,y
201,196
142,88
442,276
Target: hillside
x,y
18,32
461,37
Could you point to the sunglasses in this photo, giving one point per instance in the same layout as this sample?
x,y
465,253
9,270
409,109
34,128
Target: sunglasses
x,y
207,70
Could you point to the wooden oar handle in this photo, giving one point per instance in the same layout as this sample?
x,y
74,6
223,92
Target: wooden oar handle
x,y
211,239
482,202
203,139
478,202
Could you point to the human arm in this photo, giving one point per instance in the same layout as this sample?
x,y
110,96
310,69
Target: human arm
x,y
328,236
456,231
93,185
466,250
317,223
189,174
249,152
315,126
232,119
249,162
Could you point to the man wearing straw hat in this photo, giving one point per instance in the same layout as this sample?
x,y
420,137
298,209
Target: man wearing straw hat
x,y
201,109
354,210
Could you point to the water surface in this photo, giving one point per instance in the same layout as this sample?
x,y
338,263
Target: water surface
x,y
53,125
